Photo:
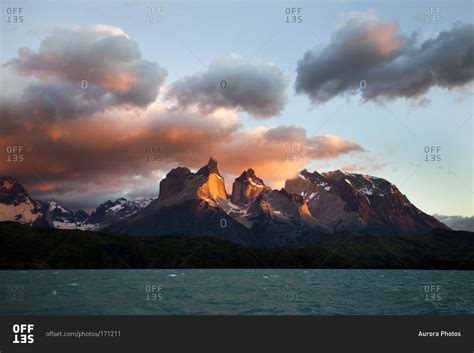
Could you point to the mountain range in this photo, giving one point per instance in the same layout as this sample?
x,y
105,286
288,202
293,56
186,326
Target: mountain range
x,y
457,222
17,205
310,206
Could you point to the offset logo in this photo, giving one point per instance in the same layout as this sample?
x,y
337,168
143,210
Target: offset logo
x,y
23,333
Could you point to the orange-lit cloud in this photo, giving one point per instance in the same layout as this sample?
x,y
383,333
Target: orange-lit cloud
x,y
107,155
43,187
56,132
383,37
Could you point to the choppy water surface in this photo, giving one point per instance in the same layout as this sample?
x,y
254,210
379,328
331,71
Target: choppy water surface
x,y
253,292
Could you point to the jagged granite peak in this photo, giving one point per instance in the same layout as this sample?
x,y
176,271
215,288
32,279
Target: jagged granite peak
x,y
189,203
213,189
174,183
180,185
210,167
179,172
246,188
312,176
249,174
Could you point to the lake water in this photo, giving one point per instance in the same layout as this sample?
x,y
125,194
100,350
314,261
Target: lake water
x,y
248,292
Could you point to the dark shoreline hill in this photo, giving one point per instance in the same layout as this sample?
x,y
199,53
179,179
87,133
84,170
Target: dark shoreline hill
x,y
23,247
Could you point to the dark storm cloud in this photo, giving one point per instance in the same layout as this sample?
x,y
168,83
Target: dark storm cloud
x,y
255,87
368,49
103,59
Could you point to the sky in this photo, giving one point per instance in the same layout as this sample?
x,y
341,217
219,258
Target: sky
x,y
104,101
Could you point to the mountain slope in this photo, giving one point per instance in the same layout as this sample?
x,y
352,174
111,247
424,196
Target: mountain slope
x,y
58,217
348,202
282,219
112,211
246,188
16,204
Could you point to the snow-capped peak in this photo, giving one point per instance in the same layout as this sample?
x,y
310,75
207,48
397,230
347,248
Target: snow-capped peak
x,y
54,205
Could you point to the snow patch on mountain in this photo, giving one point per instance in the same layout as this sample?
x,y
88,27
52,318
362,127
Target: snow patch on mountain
x,y
24,212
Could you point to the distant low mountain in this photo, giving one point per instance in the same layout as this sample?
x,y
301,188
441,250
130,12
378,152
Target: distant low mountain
x,y
310,206
112,211
56,216
457,222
